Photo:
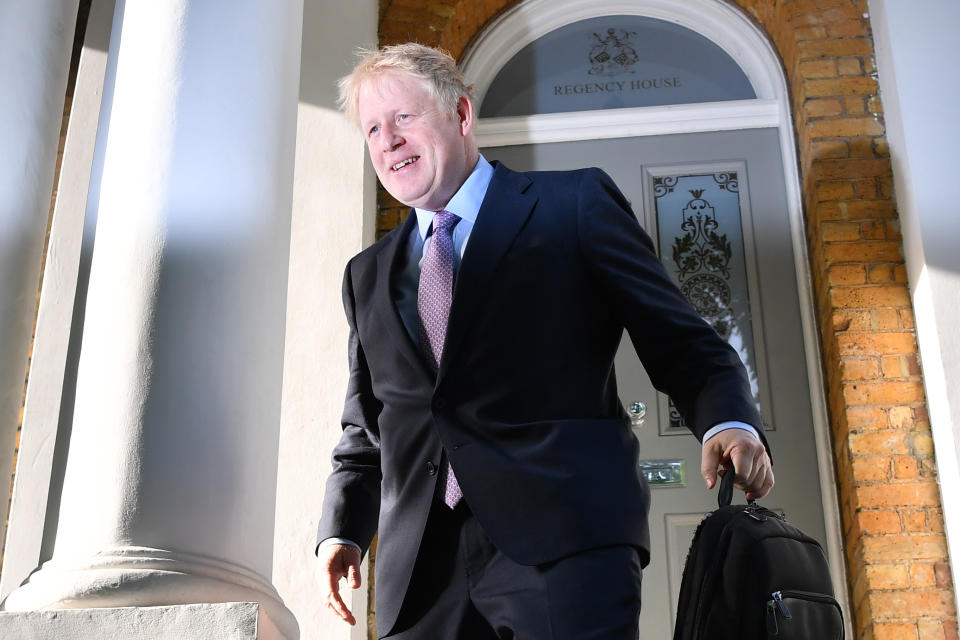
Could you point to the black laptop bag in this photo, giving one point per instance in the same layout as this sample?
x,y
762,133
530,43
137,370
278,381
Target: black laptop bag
x,y
751,575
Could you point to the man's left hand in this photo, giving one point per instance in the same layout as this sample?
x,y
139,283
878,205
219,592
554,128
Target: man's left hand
x,y
749,457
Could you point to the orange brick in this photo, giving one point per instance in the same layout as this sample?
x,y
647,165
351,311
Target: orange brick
x,y
879,522
852,321
900,417
840,13
922,575
831,210
914,521
847,274
886,185
933,630
886,319
839,231
823,68
873,229
895,631
849,66
864,209
860,368
856,168
852,86
900,275
872,296
898,548
818,32
845,127
906,494
854,106
891,367
881,274
872,251
866,418
935,519
871,468
862,147
875,106
875,344
830,148
834,190
880,393
923,444
887,576
914,602
904,468
834,48
893,230
847,29
911,365
941,571
878,443
867,189
823,107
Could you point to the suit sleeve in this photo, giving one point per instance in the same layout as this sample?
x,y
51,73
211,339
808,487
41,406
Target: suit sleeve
x,y
351,502
683,355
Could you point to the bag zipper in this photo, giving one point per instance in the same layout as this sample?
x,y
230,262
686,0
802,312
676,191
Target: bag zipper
x,y
776,605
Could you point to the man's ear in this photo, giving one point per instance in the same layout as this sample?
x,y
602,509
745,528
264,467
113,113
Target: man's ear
x,y
465,115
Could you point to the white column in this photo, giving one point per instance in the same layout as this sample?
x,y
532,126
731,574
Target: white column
x,y
169,490
35,44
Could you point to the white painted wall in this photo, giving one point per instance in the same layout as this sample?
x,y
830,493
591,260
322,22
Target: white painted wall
x,y
333,218
35,45
916,48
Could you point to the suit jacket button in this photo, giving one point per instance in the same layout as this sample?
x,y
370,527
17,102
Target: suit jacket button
x,y
431,468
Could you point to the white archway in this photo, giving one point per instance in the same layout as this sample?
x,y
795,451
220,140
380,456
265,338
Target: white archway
x,y
733,32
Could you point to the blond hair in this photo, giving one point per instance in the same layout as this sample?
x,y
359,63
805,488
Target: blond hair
x,y
435,67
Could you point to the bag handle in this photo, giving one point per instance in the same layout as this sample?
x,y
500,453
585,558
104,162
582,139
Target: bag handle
x,y
725,493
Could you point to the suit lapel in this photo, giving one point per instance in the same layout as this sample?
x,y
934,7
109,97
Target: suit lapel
x,y
389,262
505,209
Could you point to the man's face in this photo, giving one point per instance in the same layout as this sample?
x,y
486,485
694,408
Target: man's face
x,y
421,153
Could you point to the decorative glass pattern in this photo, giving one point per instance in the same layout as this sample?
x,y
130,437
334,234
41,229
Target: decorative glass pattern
x,y
700,235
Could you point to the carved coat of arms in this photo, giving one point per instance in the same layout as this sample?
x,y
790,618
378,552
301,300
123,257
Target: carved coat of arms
x,y
612,54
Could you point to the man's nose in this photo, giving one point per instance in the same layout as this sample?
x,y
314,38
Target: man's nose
x,y
390,138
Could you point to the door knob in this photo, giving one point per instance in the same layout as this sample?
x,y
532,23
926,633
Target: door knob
x,y
638,412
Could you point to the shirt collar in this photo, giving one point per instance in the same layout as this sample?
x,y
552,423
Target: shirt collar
x,y
465,203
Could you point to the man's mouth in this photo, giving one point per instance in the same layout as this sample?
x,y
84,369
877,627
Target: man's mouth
x,y
402,164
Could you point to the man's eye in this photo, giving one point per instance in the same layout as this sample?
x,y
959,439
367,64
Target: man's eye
x,y
402,117
373,130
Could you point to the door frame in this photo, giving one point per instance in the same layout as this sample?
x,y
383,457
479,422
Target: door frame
x,y
738,36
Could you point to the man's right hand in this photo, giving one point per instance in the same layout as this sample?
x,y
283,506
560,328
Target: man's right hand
x,y
337,561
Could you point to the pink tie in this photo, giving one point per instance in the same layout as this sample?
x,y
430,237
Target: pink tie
x,y
434,298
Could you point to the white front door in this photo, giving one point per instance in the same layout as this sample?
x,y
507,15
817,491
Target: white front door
x,y
715,204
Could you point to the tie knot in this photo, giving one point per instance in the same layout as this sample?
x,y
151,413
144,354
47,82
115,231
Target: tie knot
x,y
444,220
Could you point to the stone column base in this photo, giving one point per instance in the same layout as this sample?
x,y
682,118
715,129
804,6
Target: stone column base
x,y
222,621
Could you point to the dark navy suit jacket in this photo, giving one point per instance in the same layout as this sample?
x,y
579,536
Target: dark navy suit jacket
x,y
525,400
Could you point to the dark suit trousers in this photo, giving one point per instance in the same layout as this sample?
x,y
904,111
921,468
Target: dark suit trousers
x,y
464,588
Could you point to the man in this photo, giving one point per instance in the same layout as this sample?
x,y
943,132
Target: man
x,y
483,436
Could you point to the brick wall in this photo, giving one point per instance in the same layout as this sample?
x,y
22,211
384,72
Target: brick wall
x,y
895,548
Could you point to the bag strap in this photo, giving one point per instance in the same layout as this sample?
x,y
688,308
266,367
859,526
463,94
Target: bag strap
x,y
725,493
